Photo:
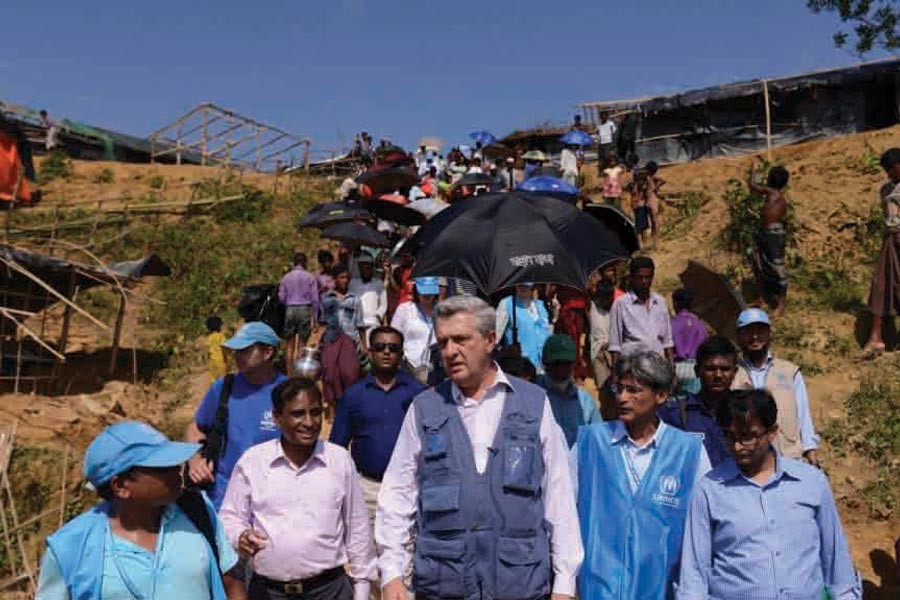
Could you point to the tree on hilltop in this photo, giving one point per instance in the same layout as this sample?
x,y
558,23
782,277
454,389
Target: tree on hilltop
x,y
873,22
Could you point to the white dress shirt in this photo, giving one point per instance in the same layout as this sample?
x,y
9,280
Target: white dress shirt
x,y
399,495
373,298
313,515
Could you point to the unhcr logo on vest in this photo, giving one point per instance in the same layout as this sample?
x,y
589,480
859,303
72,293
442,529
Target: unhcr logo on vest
x,y
668,491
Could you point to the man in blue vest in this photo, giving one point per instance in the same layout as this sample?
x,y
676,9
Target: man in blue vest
x,y
635,477
480,471
142,541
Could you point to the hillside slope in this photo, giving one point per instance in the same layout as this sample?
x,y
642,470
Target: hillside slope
x,y
833,190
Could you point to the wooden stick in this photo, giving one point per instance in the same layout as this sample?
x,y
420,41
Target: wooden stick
x,y
20,269
768,120
62,487
32,334
117,333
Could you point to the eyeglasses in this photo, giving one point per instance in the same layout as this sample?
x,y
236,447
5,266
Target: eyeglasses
x,y
618,388
382,346
748,438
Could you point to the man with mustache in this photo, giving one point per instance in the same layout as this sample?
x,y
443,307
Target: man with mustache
x,y
716,367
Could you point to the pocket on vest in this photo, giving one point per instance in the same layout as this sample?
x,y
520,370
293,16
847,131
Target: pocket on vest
x,y
524,567
519,466
440,507
438,568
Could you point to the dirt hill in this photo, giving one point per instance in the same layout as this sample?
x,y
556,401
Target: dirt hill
x,y
833,191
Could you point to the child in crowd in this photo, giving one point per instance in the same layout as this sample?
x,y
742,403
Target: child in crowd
x,y
654,183
612,181
216,354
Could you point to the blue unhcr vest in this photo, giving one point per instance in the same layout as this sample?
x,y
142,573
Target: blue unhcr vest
x,y
481,536
632,542
79,551
532,333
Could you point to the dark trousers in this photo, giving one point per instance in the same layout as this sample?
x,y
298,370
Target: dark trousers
x,y
340,588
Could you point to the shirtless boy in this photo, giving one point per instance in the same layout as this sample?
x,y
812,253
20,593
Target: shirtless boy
x,y
769,265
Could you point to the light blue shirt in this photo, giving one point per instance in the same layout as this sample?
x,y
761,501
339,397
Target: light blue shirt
x,y
572,408
178,569
781,540
637,458
809,439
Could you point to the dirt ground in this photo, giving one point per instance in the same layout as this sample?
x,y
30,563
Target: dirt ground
x,y
831,190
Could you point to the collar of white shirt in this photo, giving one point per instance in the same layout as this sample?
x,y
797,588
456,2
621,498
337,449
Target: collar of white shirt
x,y
501,381
620,434
278,455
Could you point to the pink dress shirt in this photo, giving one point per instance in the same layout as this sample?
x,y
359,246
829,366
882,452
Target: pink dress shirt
x,y
314,515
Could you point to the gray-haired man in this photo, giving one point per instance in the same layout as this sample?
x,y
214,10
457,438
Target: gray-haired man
x,y
479,467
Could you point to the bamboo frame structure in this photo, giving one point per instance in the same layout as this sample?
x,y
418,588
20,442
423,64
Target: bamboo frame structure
x,y
219,136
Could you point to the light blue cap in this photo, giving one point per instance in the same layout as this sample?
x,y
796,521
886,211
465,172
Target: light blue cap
x,y
752,315
129,444
429,286
254,332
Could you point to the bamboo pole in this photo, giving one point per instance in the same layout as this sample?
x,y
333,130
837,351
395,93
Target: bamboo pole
x,y
768,120
67,313
18,268
31,334
117,334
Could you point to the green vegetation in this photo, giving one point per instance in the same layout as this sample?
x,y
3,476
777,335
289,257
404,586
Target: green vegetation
x,y
829,287
871,428
106,176
157,182
744,206
687,206
56,166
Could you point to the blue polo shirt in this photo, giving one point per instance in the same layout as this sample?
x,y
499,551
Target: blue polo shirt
x,y
699,420
369,418
250,422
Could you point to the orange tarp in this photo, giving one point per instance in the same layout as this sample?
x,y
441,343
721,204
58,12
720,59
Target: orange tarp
x,y
11,170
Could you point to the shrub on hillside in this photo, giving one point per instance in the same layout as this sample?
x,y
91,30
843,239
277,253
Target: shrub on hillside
x,y
871,428
57,165
106,176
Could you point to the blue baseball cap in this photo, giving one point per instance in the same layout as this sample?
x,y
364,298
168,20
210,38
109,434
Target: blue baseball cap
x,y
254,332
429,286
130,444
752,315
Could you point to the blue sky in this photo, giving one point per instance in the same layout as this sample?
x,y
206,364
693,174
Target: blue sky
x,y
397,68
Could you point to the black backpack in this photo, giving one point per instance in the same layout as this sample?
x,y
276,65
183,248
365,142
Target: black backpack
x,y
192,504
217,437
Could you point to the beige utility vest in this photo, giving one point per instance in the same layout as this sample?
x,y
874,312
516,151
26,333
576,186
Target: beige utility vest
x,y
780,382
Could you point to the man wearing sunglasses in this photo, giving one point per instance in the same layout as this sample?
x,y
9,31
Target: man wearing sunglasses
x,y
372,410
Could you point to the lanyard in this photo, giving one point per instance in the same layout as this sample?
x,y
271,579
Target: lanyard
x,y
632,470
123,572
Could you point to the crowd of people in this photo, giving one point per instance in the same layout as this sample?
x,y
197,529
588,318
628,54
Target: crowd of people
x,y
467,458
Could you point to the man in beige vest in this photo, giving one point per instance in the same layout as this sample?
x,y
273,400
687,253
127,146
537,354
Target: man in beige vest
x,y
757,368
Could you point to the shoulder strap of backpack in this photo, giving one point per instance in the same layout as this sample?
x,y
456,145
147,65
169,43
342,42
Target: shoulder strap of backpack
x,y
217,437
192,504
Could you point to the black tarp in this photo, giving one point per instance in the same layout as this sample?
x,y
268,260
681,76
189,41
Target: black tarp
x,y
56,272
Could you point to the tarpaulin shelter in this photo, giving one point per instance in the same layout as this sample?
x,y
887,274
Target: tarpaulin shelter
x,y
30,283
752,116
16,166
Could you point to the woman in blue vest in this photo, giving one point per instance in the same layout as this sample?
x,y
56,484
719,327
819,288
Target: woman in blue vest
x,y
635,477
145,540
531,322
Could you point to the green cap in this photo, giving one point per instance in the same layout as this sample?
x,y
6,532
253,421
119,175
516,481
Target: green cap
x,y
558,348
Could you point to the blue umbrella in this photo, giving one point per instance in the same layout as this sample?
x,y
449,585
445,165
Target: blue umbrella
x,y
577,137
484,136
550,186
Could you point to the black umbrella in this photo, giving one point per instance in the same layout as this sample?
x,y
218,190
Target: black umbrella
x,y
617,221
356,233
475,179
499,240
384,181
329,213
715,299
392,211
